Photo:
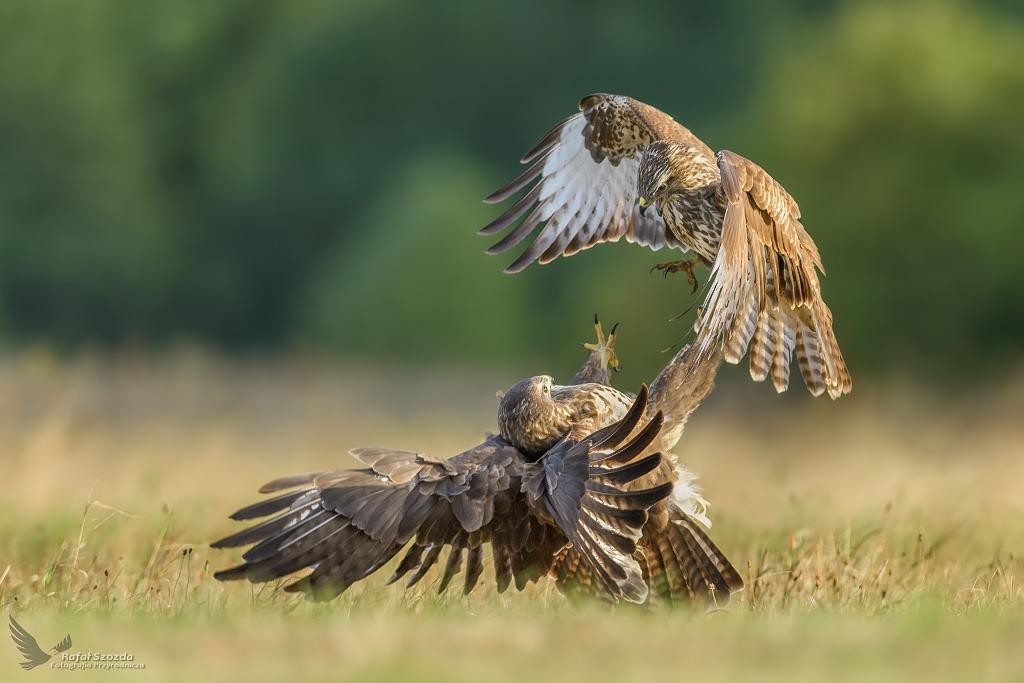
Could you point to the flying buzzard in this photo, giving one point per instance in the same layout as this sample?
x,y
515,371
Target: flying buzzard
x,y
575,485
603,170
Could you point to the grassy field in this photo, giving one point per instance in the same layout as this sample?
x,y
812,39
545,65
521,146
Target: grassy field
x,y
880,536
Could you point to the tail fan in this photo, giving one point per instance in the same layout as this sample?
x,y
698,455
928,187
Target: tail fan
x,y
683,565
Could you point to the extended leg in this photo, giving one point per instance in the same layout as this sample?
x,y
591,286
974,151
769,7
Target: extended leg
x,y
605,347
602,357
684,265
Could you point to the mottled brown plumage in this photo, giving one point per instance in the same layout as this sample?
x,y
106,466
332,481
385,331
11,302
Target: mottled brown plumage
x,y
599,171
575,485
681,564
346,524
535,413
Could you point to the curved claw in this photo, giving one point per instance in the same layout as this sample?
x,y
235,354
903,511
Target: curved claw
x,y
605,346
685,266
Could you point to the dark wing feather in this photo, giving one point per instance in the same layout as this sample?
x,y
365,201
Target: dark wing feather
x,y
590,503
766,292
346,524
268,507
454,563
291,482
397,465
267,528
636,445
586,193
611,436
474,568
623,475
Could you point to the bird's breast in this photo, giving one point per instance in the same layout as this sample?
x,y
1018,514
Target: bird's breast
x,y
607,406
696,223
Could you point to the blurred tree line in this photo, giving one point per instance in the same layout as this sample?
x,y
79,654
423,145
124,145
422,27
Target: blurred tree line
x,y
258,173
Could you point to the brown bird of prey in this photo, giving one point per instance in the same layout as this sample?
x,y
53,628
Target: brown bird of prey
x,y
623,168
577,485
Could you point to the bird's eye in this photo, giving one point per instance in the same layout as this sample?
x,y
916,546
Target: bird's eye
x,y
662,188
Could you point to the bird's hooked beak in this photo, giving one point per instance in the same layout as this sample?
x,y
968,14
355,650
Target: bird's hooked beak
x,y
644,204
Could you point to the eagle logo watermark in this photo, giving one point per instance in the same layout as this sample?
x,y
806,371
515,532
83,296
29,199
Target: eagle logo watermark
x,y
29,648
36,656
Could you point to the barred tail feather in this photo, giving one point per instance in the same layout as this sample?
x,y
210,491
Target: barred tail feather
x,y
785,339
674,574
809,360
837,379
746,323
762,348
716,570
684,565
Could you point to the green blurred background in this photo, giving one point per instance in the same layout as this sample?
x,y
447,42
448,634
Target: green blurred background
x,y
279,174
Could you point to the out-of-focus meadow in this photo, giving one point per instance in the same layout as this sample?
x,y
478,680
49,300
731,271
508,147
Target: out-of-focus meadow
x,y
237,239
878,536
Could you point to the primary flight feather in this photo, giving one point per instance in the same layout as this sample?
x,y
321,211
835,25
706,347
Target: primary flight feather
x,y
621,168
579,484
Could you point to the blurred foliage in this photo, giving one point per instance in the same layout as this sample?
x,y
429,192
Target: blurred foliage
x,y
898,128
261,171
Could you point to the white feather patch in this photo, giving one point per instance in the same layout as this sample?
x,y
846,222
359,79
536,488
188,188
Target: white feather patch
x,y
687,496
586,203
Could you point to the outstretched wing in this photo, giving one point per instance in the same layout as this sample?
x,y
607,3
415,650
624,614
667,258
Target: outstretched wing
x,y
346,524
496,513
586,487
766,292
587,166
28,647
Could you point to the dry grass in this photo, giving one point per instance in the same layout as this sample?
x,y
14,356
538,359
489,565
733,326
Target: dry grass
x,y
880,536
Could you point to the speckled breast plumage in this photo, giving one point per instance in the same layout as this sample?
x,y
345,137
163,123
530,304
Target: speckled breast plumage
x,y
696,219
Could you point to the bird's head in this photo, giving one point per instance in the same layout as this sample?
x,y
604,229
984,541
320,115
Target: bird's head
x,y
668,168
530,418
525,401
655,180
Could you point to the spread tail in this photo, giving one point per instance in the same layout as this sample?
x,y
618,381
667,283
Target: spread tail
x,y
685,566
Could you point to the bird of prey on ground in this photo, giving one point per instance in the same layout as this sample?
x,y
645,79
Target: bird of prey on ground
x,y
620,168
29,648
579,484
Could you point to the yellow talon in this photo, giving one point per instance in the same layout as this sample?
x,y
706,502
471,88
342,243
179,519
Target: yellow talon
x,y
685,266
606,347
